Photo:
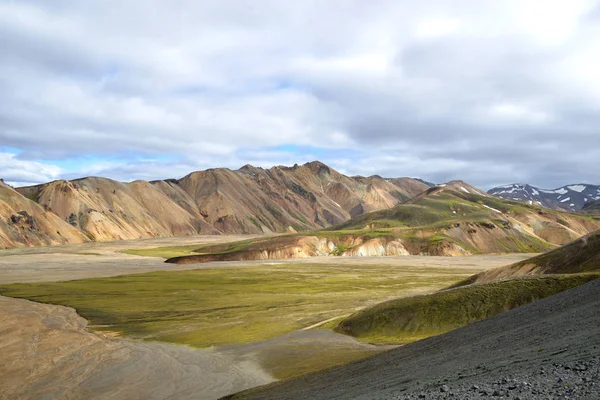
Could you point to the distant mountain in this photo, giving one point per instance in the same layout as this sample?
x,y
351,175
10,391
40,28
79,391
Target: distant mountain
x,y
457,216
430,184
247,200
570,198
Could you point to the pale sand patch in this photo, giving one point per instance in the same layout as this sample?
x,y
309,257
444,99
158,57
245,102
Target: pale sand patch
x,y
48,353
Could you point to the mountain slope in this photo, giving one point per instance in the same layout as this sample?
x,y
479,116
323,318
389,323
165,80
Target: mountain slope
x,y
25,223
579,256
248,200
450,219
255,200
409,319
457,212
567,198
592,207
108,210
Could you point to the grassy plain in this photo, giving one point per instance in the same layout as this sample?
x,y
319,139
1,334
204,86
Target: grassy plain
x,y
237,304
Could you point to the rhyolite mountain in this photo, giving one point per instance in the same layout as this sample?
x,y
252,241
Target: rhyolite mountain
x,y
446,220
567,198
247,200
23,222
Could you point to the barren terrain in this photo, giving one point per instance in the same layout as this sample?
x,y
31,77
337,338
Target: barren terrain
x,y
66,359
104,259
47,352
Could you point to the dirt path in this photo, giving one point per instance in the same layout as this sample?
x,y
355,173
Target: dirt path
x,y
48,353
318,324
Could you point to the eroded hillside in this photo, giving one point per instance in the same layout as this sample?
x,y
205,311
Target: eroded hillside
x,y
454,219
579,256
23,222
247,201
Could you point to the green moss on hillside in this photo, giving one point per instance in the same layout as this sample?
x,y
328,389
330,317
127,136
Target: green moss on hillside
x,y
409,319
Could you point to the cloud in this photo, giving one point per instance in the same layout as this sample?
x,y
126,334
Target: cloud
x,y
489,92
20,173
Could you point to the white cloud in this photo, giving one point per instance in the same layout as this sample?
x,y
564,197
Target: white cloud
x,y
437,27
426,86
22,172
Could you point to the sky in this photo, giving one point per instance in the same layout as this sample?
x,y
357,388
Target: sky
x,y
490,92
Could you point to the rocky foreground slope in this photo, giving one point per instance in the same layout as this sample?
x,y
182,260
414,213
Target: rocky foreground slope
x,y
248,200
546,349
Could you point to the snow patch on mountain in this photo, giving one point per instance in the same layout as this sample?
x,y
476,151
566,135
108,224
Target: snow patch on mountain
x,y
570,198
577,188
493,209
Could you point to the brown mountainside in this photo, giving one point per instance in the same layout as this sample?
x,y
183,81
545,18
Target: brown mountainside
x,y
442,221
248,200
24,222
579,256
311,196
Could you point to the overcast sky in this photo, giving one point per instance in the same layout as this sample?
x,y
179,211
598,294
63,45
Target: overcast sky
x,y
491,92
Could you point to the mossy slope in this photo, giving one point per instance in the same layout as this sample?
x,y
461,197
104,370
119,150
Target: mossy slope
x,y
409,319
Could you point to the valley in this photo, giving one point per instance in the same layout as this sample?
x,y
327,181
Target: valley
x,y
252,314
267,200
143,280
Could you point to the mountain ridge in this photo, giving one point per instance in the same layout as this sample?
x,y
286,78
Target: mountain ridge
x,y
250,200
572,197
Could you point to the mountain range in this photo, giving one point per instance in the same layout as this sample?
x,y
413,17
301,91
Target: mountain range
x,y
247,200
446,220
570,198
282,199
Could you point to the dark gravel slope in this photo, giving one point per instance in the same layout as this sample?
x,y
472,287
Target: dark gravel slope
x,y
546,349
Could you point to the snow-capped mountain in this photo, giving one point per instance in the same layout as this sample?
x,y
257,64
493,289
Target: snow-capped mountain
x,y
567,198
